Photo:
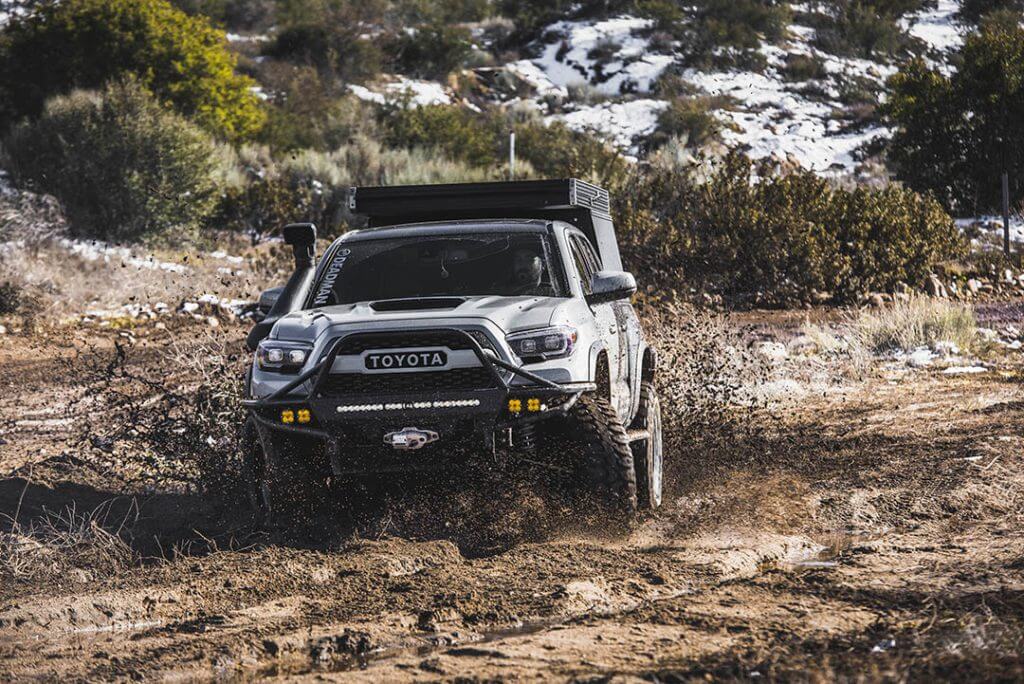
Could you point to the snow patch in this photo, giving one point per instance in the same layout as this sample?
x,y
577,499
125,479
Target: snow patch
x,y
937,27
415,93
964,370
607,54
621,123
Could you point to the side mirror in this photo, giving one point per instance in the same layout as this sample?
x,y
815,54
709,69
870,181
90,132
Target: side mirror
x,y
267,300
610,286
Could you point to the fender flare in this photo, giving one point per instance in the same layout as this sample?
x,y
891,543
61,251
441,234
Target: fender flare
x,y
596,349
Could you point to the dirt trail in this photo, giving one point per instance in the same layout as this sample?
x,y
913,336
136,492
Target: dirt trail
x,y
872,530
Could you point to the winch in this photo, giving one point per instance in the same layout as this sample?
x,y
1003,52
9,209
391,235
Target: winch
x,y
410,438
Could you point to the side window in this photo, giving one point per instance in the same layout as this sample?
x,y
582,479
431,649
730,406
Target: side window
x,y
590,254
582,267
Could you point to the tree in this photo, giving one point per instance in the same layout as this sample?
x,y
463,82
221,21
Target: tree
x,y
73,44
955,135
122,165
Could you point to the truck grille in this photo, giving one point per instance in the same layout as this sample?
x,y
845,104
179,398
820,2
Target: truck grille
x,y
451,380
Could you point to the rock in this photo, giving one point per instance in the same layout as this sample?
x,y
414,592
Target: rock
x,y
974,286
935,288
1008,276
876,300
3,330
946,348
988,334
160,326
189,307
903,288
212,322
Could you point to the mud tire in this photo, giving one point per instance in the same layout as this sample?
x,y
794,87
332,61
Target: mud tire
x,y
604,456
285,481
647,453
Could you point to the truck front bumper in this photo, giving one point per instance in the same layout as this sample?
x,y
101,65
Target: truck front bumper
x,y
459,417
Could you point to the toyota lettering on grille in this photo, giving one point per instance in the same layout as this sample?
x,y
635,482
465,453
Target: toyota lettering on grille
x,y
406,360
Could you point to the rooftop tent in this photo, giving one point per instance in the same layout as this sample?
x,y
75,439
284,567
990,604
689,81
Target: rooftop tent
x,y
583,205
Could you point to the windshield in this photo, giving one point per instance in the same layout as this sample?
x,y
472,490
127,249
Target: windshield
x,y
440,266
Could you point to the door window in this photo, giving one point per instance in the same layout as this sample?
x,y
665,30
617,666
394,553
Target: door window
x,y
583,267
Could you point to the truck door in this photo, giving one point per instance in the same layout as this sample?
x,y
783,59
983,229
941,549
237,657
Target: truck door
x,y
608,324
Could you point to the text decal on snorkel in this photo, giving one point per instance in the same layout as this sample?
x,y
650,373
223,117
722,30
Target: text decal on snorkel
x,y
323,293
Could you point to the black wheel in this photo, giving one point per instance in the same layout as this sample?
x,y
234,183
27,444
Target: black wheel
x,y
647,453
605,459
286,479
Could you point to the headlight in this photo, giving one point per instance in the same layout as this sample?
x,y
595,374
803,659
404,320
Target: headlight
x,y
286,357
546,343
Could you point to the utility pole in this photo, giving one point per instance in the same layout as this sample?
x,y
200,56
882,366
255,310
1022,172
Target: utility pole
x,y
512,155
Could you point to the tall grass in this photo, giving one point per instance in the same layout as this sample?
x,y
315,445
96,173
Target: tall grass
x,y
917,322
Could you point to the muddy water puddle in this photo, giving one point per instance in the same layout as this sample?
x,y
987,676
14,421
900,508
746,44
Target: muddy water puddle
x,y
833,546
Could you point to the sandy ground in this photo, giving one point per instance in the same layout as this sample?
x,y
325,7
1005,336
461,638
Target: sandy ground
x,y
871,530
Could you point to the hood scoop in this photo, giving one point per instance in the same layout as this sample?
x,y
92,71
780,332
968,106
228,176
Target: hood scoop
x,y
417,304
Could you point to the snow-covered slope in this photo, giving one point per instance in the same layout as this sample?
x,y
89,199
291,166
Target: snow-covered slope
x,y
803,122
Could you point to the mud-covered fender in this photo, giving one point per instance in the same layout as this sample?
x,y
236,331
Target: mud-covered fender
x,y
596,348
644,369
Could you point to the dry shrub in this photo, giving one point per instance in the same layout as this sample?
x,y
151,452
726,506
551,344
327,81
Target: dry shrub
x,y
917,322
54,544
178,420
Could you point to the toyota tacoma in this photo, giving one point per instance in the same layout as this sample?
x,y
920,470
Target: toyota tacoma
x,y
465,322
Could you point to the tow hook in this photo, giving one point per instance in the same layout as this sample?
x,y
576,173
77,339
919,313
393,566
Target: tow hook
x,y
410,438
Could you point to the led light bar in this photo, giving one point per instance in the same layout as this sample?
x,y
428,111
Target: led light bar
x,y
404,406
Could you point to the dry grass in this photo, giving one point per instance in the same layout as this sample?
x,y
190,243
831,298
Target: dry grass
x,y
916,322
56,543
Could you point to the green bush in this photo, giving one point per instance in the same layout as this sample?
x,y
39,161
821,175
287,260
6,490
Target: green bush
x,y
783,237
481,140
974,10
862,29
954,135
86,43
432,50
804,68
335,48
728,33
123,166
312,186
235,14
304,113
455,131
443,11
689,119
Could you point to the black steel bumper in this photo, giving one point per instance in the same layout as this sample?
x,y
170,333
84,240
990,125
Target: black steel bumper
x,y
359,419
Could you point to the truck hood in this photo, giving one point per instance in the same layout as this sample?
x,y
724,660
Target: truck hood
x,y
510,314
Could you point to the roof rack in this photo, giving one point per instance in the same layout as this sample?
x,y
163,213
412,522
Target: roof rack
x,y
582,204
